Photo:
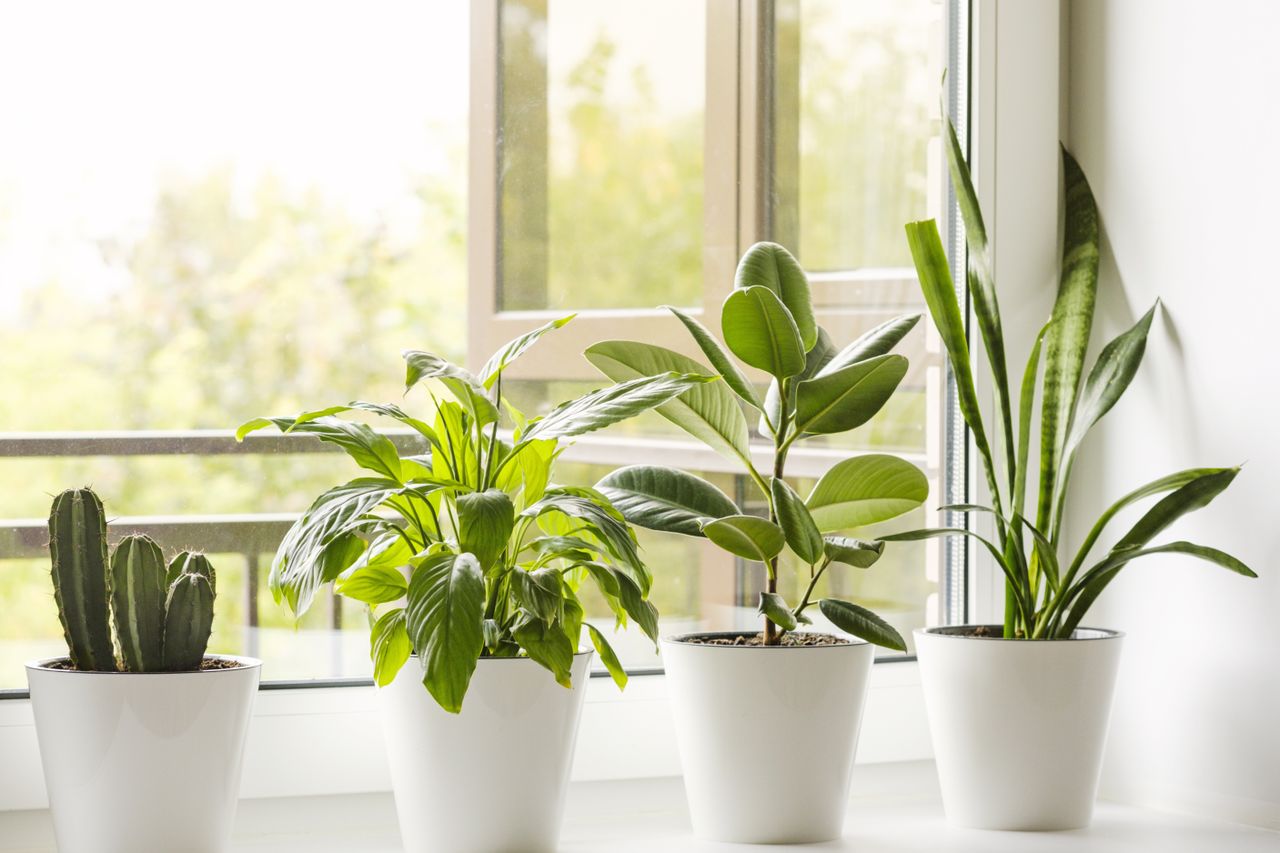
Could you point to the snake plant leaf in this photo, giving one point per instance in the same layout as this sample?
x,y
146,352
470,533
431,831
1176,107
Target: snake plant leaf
x,y
720,360
608,656
852,552
1026,406
797,524
444,619
389,646
747,536
665,499
1195,495
1067,339
709,411
1014,569
940,295
772,266
368,449
462,383
878,341
373,584
776,609
862,623
761,331
847,398
513,349
864,490
607,406
485,522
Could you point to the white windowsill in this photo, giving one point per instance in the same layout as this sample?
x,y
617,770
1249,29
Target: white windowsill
x,y
894,809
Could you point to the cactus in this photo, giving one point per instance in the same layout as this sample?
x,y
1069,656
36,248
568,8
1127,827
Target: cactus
x,y
162,615
81,585
138,594
188,622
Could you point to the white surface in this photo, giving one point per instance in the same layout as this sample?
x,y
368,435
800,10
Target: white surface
x,y
143,761
291,728
1018,726
1172,117
492,778
767,736
894,809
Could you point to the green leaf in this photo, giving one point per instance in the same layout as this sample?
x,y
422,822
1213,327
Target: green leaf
x,y
797,525
462,384
602,520
747,536
609,405
720,360
541,592
444,619
865,490
878,341
549,646
775,608
374,584
814,361
389,646
862,623
368,449
665,499
709,412
1067,339
485,522
1195,495
1026,405
515,348
761,331
940,295
607,656
852,552
605,577
635,605
849,397
770,265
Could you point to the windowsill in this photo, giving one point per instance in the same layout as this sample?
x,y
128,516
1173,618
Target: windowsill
x,y
895,807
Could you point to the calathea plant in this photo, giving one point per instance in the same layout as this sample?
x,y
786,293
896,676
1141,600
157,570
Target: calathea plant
x,y
469,549
816,389
162,615
1048,591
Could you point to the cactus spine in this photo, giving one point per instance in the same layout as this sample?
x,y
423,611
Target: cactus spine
x,y
81,585
138,593
188,622
162,615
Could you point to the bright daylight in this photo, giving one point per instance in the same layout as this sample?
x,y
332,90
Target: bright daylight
x,y
678,426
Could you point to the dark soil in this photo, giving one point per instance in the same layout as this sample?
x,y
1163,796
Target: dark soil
x,y
803,638
985,631
207,665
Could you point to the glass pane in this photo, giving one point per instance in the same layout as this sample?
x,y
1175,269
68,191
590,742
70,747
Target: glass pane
x,y
601,147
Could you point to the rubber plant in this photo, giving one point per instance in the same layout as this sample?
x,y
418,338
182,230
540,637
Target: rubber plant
x,y
815,390
161,614
468,549
1048,590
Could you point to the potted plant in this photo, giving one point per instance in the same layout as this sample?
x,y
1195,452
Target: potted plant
x,y
732,690
1019,711
141,738
471,561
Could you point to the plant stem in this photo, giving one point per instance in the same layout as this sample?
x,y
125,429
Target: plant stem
x,y
771,635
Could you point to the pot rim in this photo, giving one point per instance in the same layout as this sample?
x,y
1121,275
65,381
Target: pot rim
x,y
246,663
952,632
687,640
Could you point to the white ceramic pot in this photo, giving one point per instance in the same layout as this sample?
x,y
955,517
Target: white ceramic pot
x,y
1018,725
492,778
767,736
138,762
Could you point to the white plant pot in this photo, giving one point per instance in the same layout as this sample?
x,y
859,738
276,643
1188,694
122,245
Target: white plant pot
x,y
138,762
1018,725
492,778
767,736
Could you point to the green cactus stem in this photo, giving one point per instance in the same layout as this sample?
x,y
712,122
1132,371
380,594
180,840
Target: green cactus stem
x,y
81,584
188,622
192,563
138,595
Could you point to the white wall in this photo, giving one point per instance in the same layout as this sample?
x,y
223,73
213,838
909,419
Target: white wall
x,y
1173,113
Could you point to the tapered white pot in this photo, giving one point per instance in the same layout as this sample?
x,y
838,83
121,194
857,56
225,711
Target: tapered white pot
x,y
767,736
1018,725
492,778
142,762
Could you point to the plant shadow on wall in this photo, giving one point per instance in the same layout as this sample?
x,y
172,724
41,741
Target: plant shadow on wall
x,y
1039,678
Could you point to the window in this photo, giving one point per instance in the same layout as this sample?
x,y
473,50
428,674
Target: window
x,y
209,215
